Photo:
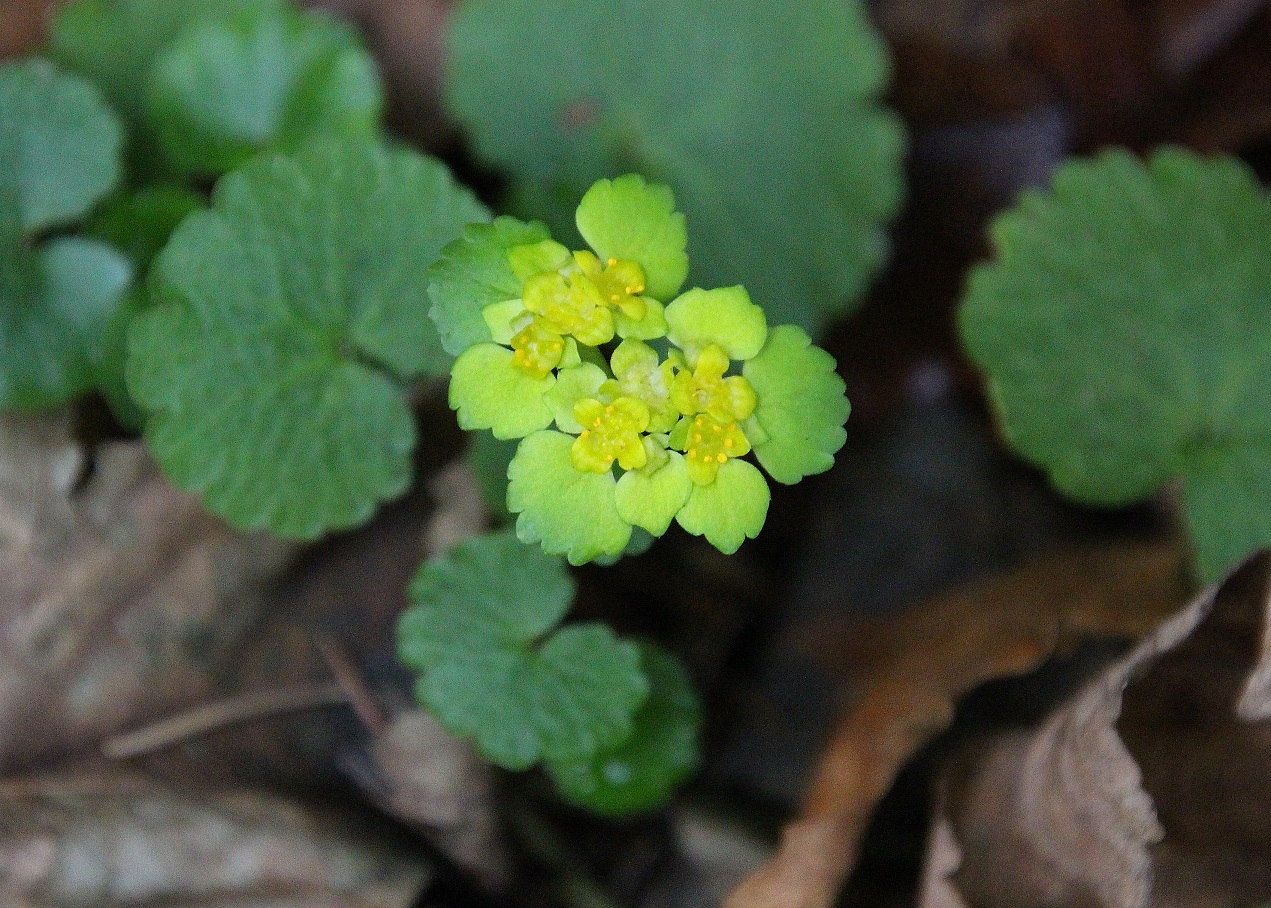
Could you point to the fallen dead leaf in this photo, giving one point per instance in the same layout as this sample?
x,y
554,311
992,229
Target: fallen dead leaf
x,y
109,837
911,670
119,595
1147,788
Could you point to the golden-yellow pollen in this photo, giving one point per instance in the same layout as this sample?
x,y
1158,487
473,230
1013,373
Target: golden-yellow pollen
x,y
612,262
537,349
615,433
712,443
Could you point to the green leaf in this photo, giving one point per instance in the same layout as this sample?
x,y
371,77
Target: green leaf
x,y
1122,330
140,223
59,154
651,500
111,359
1223,492
570,512
112,43
641,773
55,304
488,391
572,385
627,218
730,510
725,316
474,272
288,319
59,147
763,119
266,78
802,406
482,633
489,458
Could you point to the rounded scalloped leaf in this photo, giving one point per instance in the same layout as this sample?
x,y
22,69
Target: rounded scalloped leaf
x,y
481,633
628,218
730,510
651,500
112,43
801,405
1120,327
572,385
488,391
725,316
474,272
269,78
643,772
55,304
781,156
570,512
1224,495
59,145
287,319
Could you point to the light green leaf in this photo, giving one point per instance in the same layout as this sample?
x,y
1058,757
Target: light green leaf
x,y
627,218
59,146
493,667
730,510
474,272
802,406
1122,332
641,773
698,318
573,385
266,78
488,391
570,512
651,500
763,118
288,319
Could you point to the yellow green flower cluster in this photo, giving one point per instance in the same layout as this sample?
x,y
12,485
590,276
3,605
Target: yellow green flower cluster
x,y
635,404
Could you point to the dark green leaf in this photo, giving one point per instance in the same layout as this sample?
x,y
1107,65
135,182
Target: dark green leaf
x,y
112,43
762,117
59,153
1123,329
268,78
642,772
482,633
287,321
139,223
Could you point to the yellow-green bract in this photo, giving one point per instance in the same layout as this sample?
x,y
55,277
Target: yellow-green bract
x,y
635,404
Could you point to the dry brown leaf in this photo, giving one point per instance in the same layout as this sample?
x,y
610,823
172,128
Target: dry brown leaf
x,y
107,837
911,670
21,25
118,594
1147,788
436,783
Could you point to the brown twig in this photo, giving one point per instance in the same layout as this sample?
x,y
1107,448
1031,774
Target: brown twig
x,y
220,713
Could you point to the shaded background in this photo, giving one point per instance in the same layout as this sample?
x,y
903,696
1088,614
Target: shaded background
x,y
922,499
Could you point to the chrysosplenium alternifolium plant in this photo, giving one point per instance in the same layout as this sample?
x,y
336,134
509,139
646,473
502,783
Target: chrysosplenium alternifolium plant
x,y
634,406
